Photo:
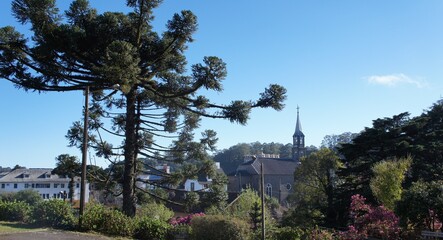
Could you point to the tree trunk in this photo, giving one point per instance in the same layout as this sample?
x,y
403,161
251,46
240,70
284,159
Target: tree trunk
x,y
71,189
130,154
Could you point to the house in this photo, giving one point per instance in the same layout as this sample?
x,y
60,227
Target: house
x,y
152,177
202,182
48,185
278,173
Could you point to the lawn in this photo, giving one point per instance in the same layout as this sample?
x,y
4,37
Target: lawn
x,y
11,227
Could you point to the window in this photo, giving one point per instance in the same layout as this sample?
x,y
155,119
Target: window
x,y
78,185
269,189
15,185
33,185
192,186
26,185
42,185
55,195
47,195
62,185
288,186
3,185
55,185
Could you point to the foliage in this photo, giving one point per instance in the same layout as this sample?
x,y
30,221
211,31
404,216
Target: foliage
x,y
14,211
255,215
155,211
393,138
285,233
386,185
147,228
54,213
142,90
243,204
377,222
107,221
216,196
70,166
233,156
186,220
334,141
314,186
29,196
192,201
180,231
218,227
421,205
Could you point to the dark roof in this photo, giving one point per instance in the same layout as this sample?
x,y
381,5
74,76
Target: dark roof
x,y
298,131
33,175
271,166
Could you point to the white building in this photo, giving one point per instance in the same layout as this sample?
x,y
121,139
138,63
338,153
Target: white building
x,y
48,185
202,182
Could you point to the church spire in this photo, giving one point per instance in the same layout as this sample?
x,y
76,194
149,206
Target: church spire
x,y
298,130
298,146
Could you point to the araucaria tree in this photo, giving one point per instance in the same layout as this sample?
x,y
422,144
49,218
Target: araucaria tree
x,y
157,95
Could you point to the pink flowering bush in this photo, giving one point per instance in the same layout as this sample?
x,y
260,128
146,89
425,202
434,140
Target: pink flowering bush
x,y
184,220
371,221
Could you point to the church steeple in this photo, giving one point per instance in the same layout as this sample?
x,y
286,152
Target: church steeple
x,y
298,145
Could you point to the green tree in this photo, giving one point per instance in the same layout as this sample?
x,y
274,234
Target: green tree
x,y
70,166
386,185
216,196
29,196
421,205
315,182
335,141
157,95
384,140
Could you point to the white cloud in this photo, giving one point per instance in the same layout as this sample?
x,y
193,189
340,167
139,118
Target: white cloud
x,y
395,79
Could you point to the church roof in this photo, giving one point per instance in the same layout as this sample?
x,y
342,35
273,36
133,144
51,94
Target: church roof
x,y
271,166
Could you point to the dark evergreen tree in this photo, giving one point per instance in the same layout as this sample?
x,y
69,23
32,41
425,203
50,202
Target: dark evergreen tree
x,y
156,96
70,166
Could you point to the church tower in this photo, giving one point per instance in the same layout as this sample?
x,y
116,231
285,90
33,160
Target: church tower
x,y
298,141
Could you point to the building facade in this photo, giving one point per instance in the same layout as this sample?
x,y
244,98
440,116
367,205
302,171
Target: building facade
x,y
48,185
278,173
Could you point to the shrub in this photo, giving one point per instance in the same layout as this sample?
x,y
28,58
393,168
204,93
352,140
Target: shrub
x,y
29,196
149,228
93,217
284,233
155,211
217,227
54,213
108,221
371,221
14,211
180,232
184,220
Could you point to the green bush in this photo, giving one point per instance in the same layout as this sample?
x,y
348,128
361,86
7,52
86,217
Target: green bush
x,y
182,231
217,227
149,228
93,218
285,233
54,213
108,221
14,211
155,211
29,196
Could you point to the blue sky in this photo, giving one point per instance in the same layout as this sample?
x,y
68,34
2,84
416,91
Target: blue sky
x,y
345,63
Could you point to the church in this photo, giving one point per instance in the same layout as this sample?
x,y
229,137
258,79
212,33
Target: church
x,y
278,172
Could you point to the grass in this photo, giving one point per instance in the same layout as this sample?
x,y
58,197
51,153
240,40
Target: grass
x,y
11,227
